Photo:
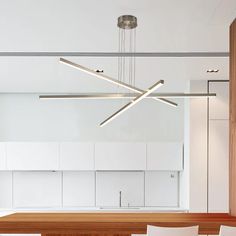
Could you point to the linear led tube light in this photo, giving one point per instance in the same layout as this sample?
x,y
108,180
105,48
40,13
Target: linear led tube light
x,y
133,102
114,54
111,80
165,101
124,95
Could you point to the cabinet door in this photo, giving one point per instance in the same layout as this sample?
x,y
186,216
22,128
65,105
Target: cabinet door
x,y
219,105
6,189
109,185
218,165
120,156
165,156
79,189
32,156
37,189
76,156
161,189
3,163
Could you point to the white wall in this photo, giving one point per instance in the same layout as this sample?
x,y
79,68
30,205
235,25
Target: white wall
x,y
26,118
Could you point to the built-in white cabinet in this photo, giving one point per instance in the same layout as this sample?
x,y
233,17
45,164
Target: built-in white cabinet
x,y
74,174
120,156
113,187
165,156
161,189
218,166
32,155
196,147
37,189
209,154
5,189
219,105
3,158
76,156
78,189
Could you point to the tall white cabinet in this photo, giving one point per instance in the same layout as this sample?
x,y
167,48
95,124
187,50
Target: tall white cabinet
x,y
198,149
209,154
219,105
218,168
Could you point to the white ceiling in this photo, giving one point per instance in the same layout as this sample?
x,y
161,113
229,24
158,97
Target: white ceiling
x,y
78,25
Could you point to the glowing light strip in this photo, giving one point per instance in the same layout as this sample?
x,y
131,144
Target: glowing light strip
x,y
108,96
111,80
133,102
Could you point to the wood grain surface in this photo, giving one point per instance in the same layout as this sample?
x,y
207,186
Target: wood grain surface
x,y
232,120
108,224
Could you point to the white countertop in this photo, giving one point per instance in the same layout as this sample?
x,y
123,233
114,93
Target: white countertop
x,y
4,212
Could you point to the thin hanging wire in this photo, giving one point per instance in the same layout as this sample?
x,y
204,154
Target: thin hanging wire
x,y
119,50
120,64
134,59
126,67
131,58
124,59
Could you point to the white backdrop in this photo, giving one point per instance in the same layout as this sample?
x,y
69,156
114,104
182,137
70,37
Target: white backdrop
x,y
23,117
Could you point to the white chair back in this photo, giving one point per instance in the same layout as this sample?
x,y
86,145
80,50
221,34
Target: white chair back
x,y
138,235
172,231
20,234
227,230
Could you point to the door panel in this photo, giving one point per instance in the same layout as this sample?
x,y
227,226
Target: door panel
x,y
109,184
161,189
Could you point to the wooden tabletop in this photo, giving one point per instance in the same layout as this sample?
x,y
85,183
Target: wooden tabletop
x,y
112,223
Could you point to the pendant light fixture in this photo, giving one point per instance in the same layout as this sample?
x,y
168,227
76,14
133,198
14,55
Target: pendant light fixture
x,y
126,75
